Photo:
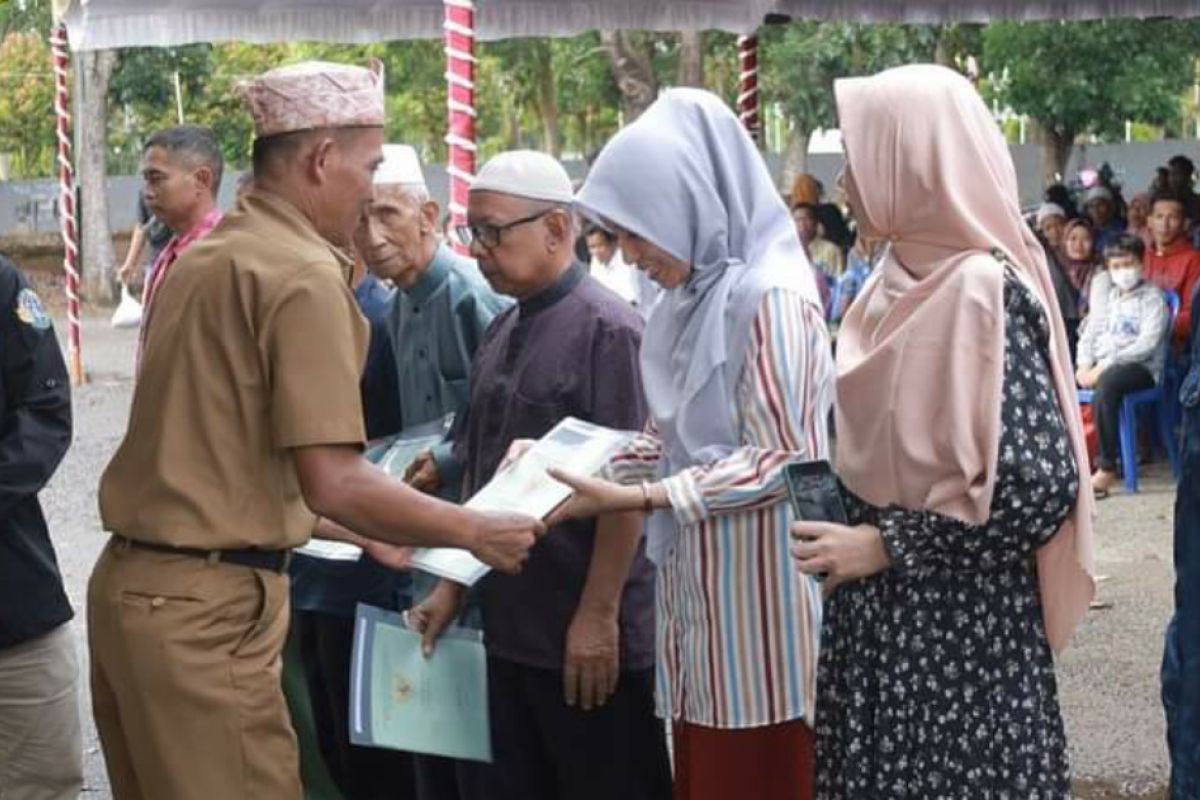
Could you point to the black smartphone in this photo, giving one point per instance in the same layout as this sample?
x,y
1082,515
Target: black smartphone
x,y
813,490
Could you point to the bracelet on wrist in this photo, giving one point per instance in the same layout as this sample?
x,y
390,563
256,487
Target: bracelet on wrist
x,y
647,500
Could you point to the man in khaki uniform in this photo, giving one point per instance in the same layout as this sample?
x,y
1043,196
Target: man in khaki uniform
x,y
246,423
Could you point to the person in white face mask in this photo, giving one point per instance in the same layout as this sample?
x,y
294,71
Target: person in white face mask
x,y
1121,348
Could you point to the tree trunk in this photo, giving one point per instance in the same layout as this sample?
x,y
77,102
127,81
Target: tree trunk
x,y
512,124
632,71
583,122
548,102
941,48
99,261
1056,151
795,159
691,59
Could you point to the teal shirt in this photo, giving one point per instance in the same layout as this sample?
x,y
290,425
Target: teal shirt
x,y
435,328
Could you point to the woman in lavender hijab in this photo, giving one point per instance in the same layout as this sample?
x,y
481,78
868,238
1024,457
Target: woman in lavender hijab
x,y
737,370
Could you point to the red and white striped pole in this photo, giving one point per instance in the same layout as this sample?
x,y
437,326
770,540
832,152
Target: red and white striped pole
x,y
66,200
459,27
747,100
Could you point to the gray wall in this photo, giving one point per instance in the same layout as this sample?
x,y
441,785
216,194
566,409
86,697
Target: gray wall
x,y
32,206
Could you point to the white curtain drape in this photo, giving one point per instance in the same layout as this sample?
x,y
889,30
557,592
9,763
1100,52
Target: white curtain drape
x,y
101,24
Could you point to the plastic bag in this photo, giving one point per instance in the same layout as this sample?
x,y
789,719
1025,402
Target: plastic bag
x,y
129,311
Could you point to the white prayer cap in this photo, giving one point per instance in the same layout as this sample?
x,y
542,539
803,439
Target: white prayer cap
x,y
1099,192
1047,210
401,166
525,173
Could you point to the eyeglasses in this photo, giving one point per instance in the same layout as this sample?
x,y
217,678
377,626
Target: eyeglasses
x,y
488,234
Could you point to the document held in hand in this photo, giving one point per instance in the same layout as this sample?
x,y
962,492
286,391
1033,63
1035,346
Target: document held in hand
x,y
401,700
392,455
524,487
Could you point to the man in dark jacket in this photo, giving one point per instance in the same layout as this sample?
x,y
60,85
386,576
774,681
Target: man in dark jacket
x,y
40,747
1181,661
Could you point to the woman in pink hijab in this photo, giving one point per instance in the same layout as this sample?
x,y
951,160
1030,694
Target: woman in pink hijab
x,y
967,560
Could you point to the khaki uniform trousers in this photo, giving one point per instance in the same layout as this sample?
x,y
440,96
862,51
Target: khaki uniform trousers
x,y
186,662
41,749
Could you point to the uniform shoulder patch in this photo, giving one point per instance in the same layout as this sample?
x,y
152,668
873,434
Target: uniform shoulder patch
x,y
31,311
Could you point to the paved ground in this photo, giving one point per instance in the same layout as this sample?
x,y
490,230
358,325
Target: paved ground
x,y
1109,679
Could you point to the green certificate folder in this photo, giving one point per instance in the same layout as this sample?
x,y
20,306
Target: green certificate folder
x,y
401,700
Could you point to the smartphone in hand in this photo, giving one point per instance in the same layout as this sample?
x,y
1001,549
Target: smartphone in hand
x,y
813,489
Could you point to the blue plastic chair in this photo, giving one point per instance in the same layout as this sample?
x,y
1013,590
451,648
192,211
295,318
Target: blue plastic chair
x,y
1154,399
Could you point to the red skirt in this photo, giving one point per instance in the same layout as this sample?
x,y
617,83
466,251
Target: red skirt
x,y
770,763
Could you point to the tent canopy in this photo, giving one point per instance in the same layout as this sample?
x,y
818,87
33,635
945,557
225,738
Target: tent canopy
x,y
101,24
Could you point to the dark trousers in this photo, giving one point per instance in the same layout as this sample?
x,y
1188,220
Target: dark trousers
x,y
1115,382
437,777
544,749
361,773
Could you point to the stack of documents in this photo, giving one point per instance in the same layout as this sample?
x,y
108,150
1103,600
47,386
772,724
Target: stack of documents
x,y
524,487
392,455
401,700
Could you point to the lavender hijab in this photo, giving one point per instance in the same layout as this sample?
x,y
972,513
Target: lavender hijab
x,y
687,178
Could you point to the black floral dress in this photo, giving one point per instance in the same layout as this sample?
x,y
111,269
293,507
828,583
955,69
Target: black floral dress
x,y
936,679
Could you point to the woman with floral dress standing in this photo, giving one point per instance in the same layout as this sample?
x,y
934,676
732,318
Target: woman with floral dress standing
x,y
968,556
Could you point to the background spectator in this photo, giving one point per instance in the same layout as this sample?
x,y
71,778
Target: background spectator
x,y
1172,263
1102,208
1121,349
824,254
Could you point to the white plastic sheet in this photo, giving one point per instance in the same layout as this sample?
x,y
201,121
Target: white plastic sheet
x,y
99,24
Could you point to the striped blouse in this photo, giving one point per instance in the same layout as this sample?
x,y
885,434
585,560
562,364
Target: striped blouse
x,y
737,625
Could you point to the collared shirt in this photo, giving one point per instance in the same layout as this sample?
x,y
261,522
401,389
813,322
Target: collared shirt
x,y
436,327
570,350
337,587
422,341
162,265
1177,267
255,348
738,625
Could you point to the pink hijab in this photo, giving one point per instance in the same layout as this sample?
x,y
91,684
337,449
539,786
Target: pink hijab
x,y
920,361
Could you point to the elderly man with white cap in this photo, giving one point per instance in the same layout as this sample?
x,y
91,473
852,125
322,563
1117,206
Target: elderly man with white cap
x,y
440,312
246,423
434,322
570,641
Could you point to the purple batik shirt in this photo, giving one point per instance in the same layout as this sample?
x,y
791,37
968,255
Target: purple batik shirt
x,y
570,350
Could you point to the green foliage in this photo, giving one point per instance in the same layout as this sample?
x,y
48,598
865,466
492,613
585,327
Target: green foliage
x,y
1092,76
1073,78
27,103
800,61
25,16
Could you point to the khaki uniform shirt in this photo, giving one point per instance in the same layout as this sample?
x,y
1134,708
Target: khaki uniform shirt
x,y
256,347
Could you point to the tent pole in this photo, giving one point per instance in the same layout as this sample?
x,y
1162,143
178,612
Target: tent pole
x,y
66,200
459,28
748,98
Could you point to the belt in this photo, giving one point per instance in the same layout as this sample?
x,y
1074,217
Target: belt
x,y
271,560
